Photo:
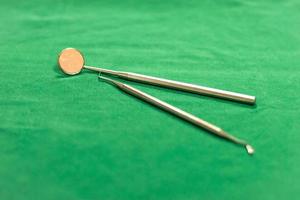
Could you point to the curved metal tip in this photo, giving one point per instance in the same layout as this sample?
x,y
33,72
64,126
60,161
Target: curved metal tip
x,y
250,149
105,78
111,81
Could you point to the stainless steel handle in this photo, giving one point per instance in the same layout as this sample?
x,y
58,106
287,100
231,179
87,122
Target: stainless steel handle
x,y
243,98
179,113
191,88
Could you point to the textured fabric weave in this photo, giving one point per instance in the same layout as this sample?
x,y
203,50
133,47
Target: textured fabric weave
x,y
79,138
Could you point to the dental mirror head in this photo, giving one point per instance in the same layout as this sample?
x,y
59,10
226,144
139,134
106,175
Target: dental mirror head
x,y
71,61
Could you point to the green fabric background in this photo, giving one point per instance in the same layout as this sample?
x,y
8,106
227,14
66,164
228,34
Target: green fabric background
x,y
80,138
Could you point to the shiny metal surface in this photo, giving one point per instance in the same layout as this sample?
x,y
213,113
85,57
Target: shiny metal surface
x,y
71,62
179,113
243,98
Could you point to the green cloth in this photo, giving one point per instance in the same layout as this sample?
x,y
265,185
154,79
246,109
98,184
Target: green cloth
x,y
80,138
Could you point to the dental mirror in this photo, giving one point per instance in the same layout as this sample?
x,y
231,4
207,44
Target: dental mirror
x,y
71,62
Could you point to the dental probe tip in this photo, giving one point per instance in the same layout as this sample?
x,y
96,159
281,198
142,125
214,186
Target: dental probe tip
x,y
250,149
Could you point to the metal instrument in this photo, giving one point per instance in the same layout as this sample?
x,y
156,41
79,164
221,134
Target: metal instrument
x,y
71,62
179,113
